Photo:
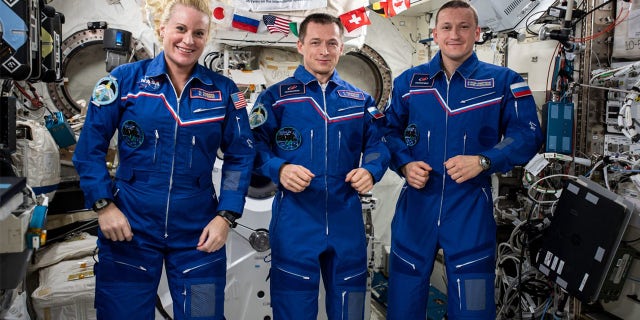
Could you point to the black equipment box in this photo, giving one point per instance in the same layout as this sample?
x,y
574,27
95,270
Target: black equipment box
x,y
20,42
580,244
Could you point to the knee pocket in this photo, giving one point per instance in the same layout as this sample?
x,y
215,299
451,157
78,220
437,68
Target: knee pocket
x,y
204,298
474,298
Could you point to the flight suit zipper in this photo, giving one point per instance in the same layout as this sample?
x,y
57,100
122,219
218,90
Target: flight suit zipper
x,y
326,153
155,146
193,144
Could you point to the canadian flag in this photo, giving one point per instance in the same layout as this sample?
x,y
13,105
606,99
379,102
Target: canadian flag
x,y
396,6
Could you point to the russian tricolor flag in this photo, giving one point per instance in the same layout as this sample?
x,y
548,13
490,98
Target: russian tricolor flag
x,y
520,89
375,112
245,23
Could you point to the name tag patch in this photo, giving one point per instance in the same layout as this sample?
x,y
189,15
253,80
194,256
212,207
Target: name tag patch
x,y
479,83
421,80
199,93
351,94
289,89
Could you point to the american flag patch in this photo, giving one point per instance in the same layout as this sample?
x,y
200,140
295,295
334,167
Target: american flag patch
x,y
375,112
520,89
238,100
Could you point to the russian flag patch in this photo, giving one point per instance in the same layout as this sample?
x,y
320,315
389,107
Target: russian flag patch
x,y
375,112
520,89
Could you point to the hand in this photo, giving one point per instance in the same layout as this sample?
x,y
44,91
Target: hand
x,y
416,173
295,178
463,168
113,224
361,180
214,235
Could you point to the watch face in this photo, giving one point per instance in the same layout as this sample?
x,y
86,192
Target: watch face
x,y
100,204
485,163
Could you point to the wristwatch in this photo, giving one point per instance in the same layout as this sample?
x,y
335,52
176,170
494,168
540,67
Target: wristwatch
x,y
101,204
230,217
485,162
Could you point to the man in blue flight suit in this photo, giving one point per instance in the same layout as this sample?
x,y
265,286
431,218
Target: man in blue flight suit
x,y
172,116
452,122
318,139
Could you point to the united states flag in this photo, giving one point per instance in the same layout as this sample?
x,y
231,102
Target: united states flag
x,y
276,24
238,100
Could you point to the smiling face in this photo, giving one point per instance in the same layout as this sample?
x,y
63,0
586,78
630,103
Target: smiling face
x,y
455,33
321,48
184,36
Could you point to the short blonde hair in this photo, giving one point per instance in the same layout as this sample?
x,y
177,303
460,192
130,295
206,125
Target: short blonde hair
x,y
200,5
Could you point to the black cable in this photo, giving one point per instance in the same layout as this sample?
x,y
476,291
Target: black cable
x,y
590,11
161,309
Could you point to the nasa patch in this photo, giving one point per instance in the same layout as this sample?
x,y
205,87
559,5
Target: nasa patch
x,y
288,139
149,84
258,116
105,91
293,88
132,134
411,135
421,80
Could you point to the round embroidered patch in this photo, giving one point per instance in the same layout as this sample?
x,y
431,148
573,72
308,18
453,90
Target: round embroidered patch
x,y
411,135
105,91
132,134
258,116
288,139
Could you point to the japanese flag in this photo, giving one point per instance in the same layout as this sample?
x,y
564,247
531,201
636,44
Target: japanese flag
x,y
221,13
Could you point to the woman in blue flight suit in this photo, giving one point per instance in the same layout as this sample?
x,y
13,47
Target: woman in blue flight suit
x,y
172,115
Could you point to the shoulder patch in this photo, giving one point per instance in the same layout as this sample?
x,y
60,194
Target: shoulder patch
x,y
291,89
479,83
375,112
258,115
199,93
105,91
421,80
520,89
351,94
238,100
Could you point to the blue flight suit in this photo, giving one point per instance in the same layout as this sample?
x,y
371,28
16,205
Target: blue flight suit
x,y
482,110
319,230
167,146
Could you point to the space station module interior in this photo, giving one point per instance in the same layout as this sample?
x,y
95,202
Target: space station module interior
x,y
574,206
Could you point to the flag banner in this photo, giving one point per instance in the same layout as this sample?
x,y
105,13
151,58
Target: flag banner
x,y
221,14
245,23
276,24
396,6
355,19
379,7
279,5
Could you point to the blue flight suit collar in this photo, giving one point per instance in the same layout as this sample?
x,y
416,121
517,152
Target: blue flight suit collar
x,y
301,74
465,69
158,66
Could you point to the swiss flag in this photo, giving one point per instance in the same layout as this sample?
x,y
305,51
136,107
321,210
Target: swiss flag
x,y
396,6
355,19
